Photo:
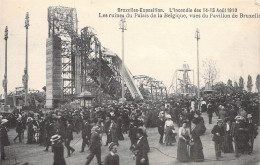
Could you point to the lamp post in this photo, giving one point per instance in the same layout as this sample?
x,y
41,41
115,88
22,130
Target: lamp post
x,y
5,76
25,76
197,36
122,26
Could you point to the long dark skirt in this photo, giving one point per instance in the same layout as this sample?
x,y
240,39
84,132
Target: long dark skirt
x,y
196,150
228,146
169,136
182,151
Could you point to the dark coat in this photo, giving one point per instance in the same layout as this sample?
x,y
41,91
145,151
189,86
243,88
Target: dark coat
x,y
217,129
95,143
252,130
160,125
196,150
86,130
20,127
107,124
239,131
4,136
50,131
69,132
210,109
58,150
141,152
111,160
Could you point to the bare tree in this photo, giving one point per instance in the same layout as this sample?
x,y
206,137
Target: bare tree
x,y
210,71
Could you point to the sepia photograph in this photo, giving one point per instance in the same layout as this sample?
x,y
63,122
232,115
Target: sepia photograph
x,y
134,82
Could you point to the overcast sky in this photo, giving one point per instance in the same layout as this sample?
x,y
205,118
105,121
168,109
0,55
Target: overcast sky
x,y
153,47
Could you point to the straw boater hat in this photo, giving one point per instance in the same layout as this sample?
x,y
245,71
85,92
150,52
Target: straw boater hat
x,y
111,145
219,120
249,116
55,138
239,118
3,121
95,128
29,119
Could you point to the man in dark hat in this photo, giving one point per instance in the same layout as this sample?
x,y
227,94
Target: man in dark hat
x,y
210,110
107,130
160,125
94,146
218,137
140,149
252,132
69,137
19,129
112,158
86,133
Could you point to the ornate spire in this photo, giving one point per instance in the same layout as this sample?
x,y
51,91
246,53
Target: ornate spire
x,y
27,20
6,33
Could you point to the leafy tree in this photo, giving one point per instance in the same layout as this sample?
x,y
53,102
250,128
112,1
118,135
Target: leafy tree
x,y
220,87
44,88
230,83
249,83
257,83
241,83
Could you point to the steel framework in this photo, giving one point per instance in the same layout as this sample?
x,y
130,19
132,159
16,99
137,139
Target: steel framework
x,y
181,83
157,90
86,64
63,23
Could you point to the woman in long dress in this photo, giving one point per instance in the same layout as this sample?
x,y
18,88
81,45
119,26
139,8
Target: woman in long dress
x,y
196,149
227,145
169,131
184,138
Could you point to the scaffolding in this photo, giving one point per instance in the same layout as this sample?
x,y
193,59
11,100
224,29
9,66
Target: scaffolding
x,y
63,23
86,64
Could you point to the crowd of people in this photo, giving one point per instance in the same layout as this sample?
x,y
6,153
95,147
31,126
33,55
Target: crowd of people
x,y
238,116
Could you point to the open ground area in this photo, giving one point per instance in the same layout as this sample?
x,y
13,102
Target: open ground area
x,y
159,154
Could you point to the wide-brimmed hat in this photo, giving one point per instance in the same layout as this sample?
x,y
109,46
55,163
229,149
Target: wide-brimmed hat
x,y
55,138
168,116
3,121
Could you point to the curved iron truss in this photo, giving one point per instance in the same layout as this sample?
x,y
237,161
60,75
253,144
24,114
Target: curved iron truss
x,y
151,88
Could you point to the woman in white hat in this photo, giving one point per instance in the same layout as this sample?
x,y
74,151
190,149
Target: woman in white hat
x,y
169,131
58,150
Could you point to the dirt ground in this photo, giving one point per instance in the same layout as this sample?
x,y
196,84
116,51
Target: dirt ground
x,y
159,154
